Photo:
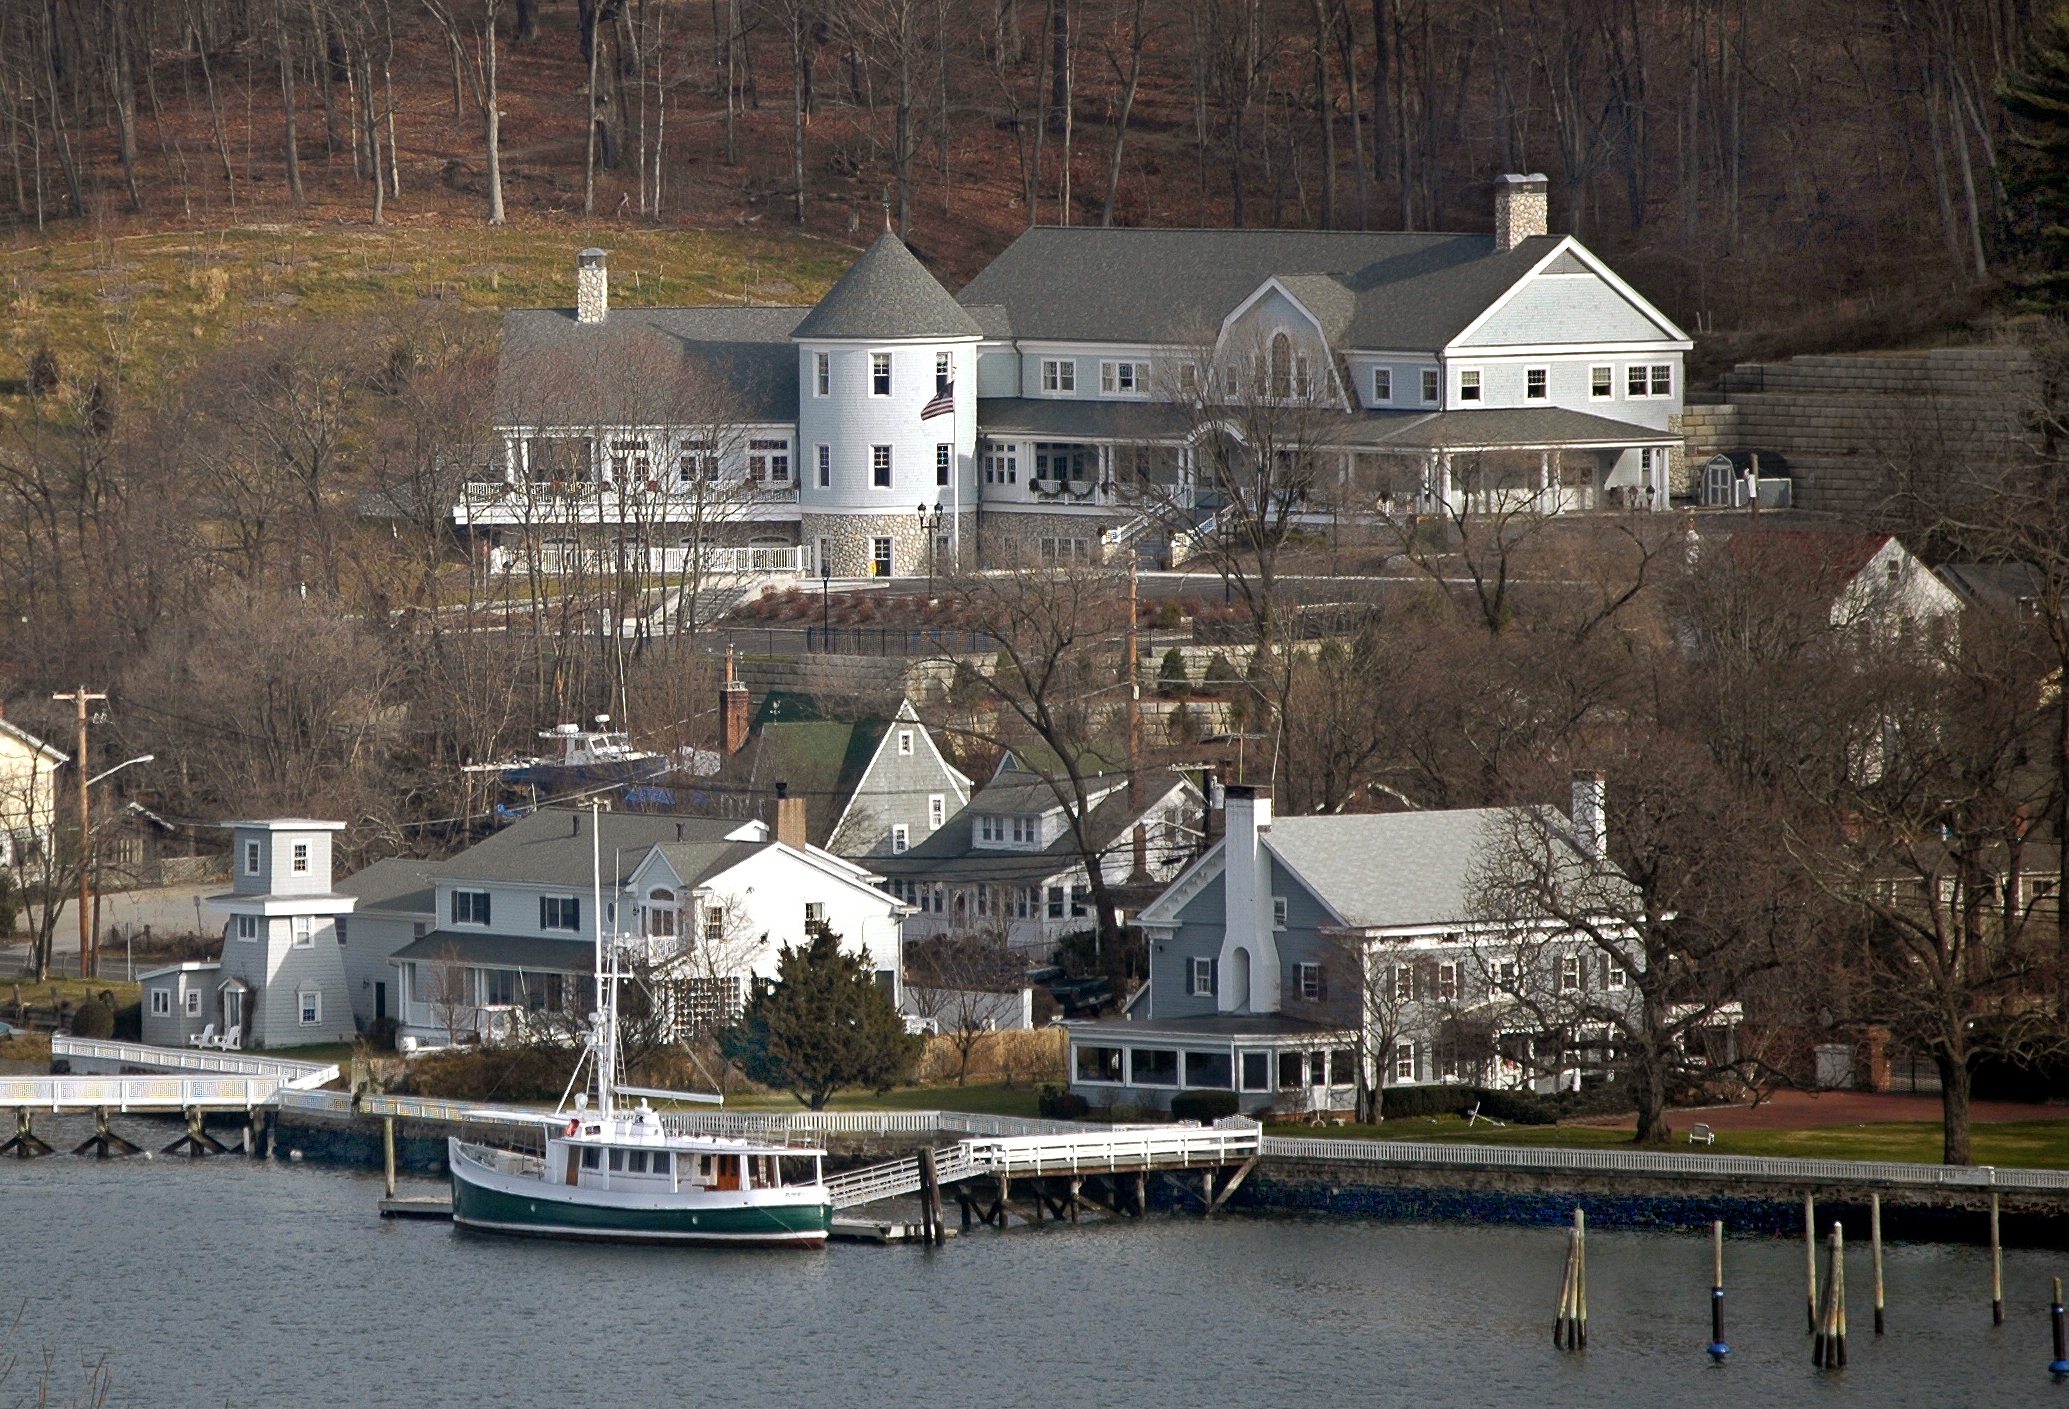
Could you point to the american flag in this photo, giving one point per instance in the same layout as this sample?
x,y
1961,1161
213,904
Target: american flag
x,y
943,404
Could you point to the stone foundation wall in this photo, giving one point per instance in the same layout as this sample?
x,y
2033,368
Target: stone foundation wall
x,y
1015,537
849,542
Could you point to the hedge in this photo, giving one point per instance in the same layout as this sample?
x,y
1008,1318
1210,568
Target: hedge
x,y
1203,1106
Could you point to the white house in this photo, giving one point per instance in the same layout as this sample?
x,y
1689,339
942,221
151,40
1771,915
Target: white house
x,y
895,429
709,901
28,793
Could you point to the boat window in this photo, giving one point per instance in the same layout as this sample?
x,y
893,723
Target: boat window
x,y
617,1161
589,1157
798,1169
704,1165
635,1161
660,1161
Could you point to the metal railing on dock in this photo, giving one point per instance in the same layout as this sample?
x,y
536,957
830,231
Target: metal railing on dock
x,y
1569,1161
297,1076
1080,1150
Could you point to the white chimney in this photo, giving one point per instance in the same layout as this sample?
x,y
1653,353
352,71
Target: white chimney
x,y
592,287
1522,208
1591,814
1249,977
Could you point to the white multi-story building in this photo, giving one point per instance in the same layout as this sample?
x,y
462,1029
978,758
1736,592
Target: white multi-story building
x,y
896,429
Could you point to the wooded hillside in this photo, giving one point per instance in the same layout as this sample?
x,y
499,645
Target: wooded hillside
x,y
1747,162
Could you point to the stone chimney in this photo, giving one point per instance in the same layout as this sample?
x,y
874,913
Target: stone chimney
x,y
790,818
1249,975
1522,208
1591,814
732,710
592,287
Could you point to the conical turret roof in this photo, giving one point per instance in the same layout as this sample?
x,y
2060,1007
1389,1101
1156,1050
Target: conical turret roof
x,y
888,294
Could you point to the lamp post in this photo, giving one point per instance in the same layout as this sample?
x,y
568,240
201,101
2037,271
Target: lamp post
x,y
826,601
930,527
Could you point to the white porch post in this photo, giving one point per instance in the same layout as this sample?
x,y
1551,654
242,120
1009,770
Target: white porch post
x,y
1546,504
1444,486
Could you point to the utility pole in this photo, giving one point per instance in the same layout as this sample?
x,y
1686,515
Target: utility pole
x,y
1139,873
88,968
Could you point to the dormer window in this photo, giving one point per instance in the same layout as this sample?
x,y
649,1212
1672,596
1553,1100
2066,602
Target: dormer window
x,y
251,858
1026,829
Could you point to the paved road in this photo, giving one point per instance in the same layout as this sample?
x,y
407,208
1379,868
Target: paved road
x,y
1806,1110
166,909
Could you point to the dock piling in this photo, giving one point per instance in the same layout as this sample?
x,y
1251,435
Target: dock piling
x,y
105,1142
1875,1243
2060,1368
1717,1348
1810,1255
24,1145
1828,1349
1570,1326
1996,1267
387,1150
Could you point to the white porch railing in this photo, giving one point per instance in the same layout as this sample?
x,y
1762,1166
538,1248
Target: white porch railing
x,y
137,1093
297,1076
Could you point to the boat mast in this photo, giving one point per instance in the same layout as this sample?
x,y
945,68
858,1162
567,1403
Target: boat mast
x,y
606,974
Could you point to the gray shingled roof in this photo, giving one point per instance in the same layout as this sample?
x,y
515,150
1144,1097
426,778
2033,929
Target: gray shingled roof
x,y
950,853
1525,427
399,884
697,862
1410,291
552,847
746,350
505,951
888,294
1396,869
1094,420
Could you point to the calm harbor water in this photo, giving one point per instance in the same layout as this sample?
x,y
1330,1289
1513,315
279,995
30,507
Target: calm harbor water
x,y
233,1282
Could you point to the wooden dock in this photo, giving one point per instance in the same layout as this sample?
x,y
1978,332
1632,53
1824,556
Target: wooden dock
x,y
434,1206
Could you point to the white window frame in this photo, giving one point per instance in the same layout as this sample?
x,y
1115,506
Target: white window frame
x,y
1432,386
1477,384
1059,376
309,1007
248,929
161,1002
944,373
822,374
944,461
901,838
1404,1061
905,743
880,463
304,930
1200,977
299,860
193,1002
1601,383
1662,380
1648,381
1307,981
253,858
1382,384
880,373
1279,912
825,459
937,811
1619,976
1570,974
1126,377
881,554
1541,389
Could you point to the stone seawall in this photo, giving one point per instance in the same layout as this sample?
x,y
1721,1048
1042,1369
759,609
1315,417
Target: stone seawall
x,y
1348,1190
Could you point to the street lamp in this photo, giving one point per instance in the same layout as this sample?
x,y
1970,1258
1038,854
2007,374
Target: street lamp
x,y
103,777
930,527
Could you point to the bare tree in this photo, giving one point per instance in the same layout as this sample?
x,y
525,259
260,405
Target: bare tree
x,y
480,66
961,982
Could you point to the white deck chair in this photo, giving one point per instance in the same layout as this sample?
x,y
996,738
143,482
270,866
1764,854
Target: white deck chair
x,y
203,1038
233,1040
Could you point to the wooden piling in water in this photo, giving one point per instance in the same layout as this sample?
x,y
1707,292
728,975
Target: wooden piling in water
x,y
2060,1368
1996,1267
1562,1322
1875,1242
1580,1241
24,1145
387,1152
930,1200
1810,1255
1570,1325
1828,1349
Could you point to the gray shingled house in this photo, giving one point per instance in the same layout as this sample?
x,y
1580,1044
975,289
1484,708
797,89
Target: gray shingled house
x,y
1298,946
894,428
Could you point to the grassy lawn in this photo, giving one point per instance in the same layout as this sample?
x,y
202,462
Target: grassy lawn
x,y
161,301
2035,1144
70,990
338,1052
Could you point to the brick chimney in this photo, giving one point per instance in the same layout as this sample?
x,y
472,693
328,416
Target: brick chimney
x,y
1522,208
790,818
592,287
732,710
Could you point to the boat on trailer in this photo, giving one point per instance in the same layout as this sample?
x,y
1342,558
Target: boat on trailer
x,y
620,1175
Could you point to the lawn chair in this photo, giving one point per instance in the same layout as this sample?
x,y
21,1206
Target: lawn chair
x,y
1473,1117
204,1038
1701,1135
233,1040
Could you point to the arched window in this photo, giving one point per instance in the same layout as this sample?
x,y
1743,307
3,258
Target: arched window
x,y
661,914
1282,367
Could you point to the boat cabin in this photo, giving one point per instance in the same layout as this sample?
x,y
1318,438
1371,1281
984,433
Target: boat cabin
x,y
637,1155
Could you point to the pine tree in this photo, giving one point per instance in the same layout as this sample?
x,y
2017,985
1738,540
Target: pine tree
x,y
2039,179
1171,676
825,1024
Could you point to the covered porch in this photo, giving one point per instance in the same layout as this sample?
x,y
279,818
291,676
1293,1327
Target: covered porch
x,y
1275,1065
1543,461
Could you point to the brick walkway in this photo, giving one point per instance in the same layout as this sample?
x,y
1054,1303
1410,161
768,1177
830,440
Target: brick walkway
x,y
1803,1110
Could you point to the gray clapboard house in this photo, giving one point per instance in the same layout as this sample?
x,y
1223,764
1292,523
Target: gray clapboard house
x,y
894,428
1283,956
280,981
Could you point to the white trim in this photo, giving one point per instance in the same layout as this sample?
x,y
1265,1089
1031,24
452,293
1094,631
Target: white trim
x,y
1601,270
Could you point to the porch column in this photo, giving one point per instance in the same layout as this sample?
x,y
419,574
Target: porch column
x,y
1545,503
1444,488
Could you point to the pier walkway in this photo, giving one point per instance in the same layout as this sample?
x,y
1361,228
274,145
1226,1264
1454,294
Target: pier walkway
x,y
185,1081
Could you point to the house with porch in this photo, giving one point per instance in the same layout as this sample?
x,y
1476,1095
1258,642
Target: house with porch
x,y
1299,948
707,902
1042,413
